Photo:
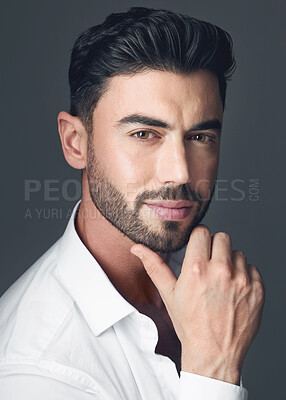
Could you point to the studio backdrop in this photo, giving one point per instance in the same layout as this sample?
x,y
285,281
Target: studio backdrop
x,y
39,189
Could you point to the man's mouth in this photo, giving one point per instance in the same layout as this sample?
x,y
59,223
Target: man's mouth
x,y
170,210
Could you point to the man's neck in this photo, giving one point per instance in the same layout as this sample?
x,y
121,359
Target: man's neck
x,y
111,249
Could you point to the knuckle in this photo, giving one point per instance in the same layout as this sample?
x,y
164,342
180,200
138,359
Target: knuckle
x,y
253,268
154,266
224,271
242,281
197,267
259,290
238,253
242,254
238,256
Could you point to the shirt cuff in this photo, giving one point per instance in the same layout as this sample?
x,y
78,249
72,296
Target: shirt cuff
x,y
197,387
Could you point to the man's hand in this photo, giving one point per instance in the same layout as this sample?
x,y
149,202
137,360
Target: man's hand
x,y
215,304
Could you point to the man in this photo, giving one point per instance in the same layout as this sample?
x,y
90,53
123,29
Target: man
x,y
115,309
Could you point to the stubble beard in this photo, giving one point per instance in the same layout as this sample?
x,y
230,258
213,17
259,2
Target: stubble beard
x,y
113,206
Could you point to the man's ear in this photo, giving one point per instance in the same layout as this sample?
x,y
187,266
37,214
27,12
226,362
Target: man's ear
x,y
74,139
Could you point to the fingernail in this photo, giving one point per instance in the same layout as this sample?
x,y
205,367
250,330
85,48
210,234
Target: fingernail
x,y
136,252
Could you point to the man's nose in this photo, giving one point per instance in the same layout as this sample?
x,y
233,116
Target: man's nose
x,y
173,164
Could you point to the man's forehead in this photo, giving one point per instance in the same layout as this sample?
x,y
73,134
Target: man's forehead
x,y
165,95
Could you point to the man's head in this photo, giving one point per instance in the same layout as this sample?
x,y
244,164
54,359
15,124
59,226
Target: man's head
x,y
147,98
144,39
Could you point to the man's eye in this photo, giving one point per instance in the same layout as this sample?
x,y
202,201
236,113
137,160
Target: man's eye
x,y
144,135
201,137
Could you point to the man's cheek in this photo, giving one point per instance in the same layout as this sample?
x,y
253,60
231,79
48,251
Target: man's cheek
x,y
202,187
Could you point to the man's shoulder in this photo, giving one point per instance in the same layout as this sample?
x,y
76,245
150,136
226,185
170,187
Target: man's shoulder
x,y
32,309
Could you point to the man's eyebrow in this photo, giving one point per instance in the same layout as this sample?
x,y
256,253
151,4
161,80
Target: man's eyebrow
x,y
144,120
214,124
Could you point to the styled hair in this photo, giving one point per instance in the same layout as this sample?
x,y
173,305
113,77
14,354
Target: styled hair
x,y
144,39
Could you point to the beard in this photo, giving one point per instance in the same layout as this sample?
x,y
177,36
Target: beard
x,y
111,203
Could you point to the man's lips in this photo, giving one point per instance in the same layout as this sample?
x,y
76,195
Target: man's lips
x,y
171,210
171,203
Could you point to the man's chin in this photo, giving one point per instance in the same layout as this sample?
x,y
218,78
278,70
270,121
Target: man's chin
x,y
166,242
166,249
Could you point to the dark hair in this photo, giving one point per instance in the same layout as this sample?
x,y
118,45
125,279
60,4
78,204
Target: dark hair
x,y
142,39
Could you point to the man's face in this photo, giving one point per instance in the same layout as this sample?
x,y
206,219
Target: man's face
x,y
153,154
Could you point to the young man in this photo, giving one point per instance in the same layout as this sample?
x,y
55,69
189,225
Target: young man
x,y
135,300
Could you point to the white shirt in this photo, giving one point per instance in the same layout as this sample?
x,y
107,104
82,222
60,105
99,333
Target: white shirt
x,y
67,334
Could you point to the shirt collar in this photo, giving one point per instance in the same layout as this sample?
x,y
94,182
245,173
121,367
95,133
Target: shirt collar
x,y
88,285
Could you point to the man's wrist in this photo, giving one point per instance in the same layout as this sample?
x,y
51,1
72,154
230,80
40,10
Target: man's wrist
x,y
212,367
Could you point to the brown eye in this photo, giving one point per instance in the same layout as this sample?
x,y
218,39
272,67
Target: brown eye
x,y
142,135
201,137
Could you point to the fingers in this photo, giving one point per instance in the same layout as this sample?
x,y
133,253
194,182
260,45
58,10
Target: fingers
x,y
254,273
247,273
240,268
257,283
159,272
199,247
239,261
221,248
238,257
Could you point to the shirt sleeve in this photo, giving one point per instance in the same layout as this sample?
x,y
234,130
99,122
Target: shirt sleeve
x,y
197,387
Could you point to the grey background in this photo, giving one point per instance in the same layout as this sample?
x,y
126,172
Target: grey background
x,y
36,38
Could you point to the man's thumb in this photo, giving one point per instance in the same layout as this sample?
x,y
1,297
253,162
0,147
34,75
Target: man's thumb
x,y
160,273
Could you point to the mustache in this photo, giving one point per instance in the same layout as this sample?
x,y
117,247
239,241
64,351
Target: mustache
x,y
182,192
